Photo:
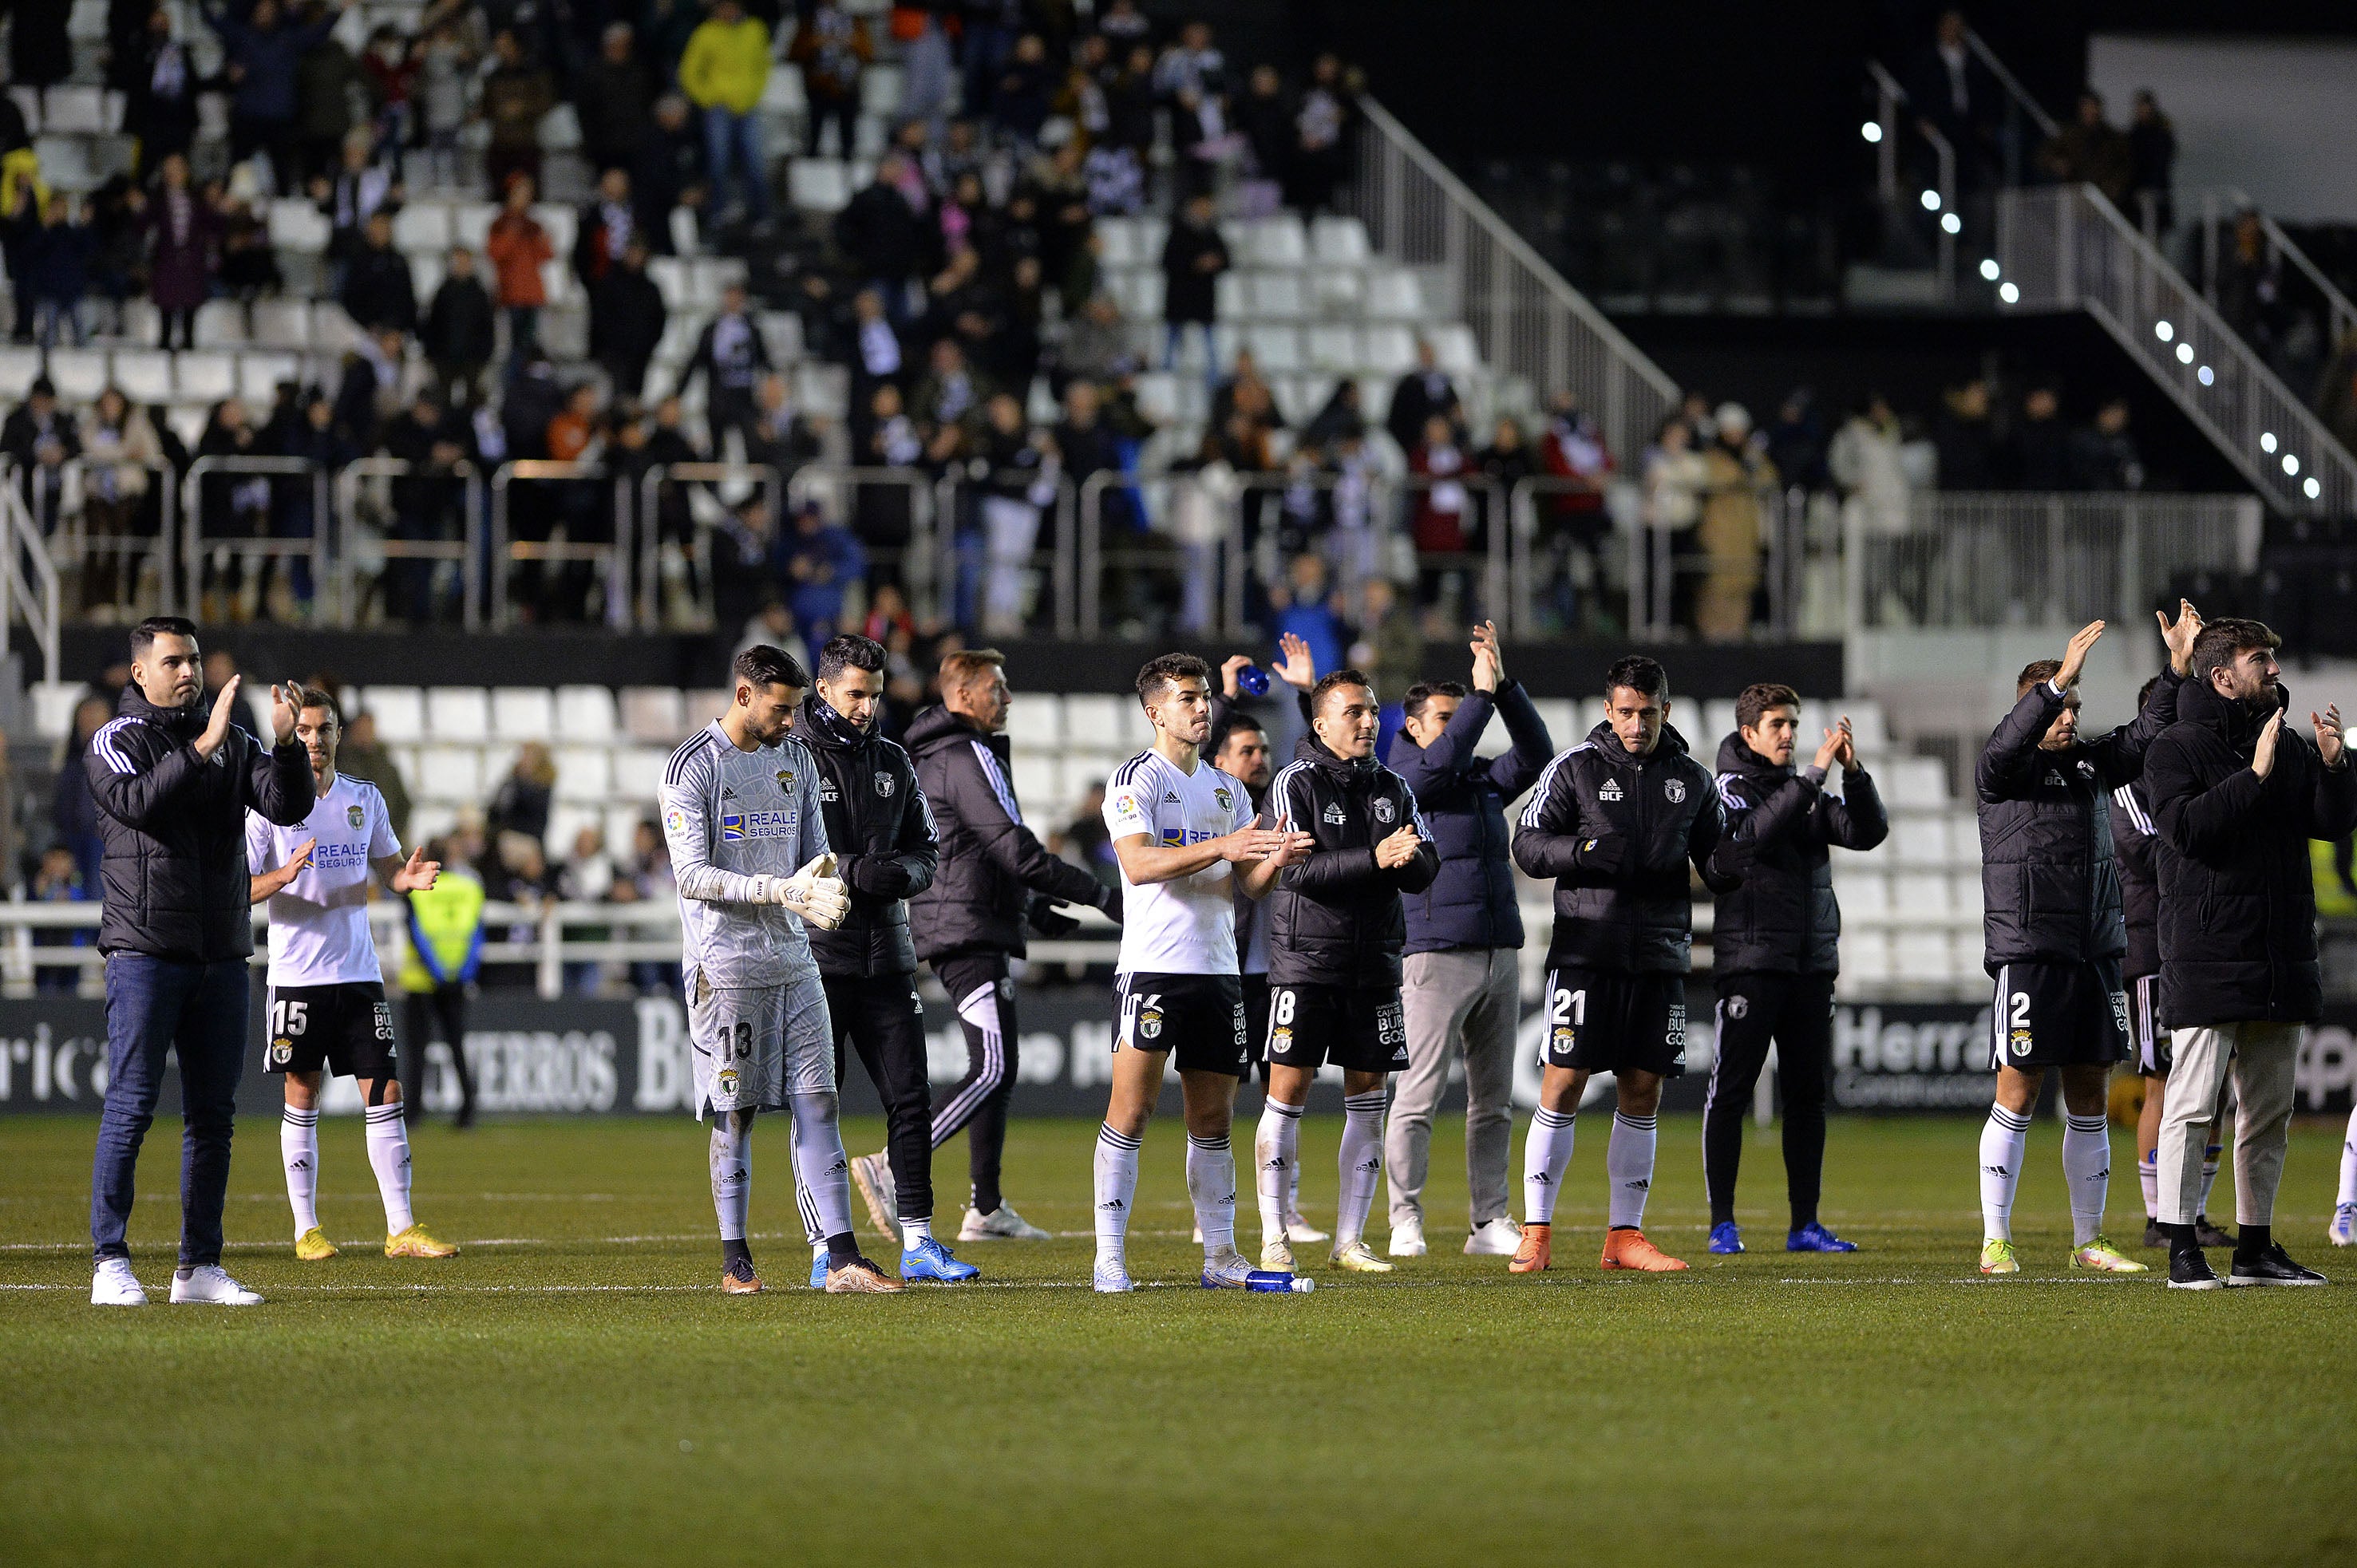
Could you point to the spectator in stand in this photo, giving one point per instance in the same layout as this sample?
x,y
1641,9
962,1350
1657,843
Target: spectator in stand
x,y
831,47
877,358
1096,346
949,398
2035,453
185,230
1193,257
349,193
119,250
1017,471
1086,842
264,51
1572,521
1421,395
1864,460
1955,95
73,809
1674,478
390,65
1322,123
1018,99
42,439
427,508
49,265
627,318
327,81
882,237
989,29
1305,608
2104,456
1733,527
747,568
520,804
773,624
361,756
445,65
461,332
371,394
1442,509
229,505
314,437
160,91
518,247
377,290
516,95
780,437
605,229
1962,440
732,356
724,73
2250,281
59,881
1263,118
2091,150
615,97
668,172
1130,105
120,450
586,876
1389,646
825,565
2152,155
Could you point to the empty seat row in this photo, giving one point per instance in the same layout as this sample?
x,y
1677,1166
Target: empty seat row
x,y
1934,961
151,376
471,774
573,715
1280,242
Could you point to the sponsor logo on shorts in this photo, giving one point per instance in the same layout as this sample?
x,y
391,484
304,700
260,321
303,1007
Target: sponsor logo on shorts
x,y
1608,791
736,827
1676,1037
384,1011
2120,1010
355,816
1675,790
1391,1026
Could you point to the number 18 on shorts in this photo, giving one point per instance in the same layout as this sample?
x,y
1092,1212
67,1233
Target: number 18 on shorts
x,y
1357,1030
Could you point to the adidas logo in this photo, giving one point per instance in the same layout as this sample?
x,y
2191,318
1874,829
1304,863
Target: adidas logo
x,y
726,793
1112,1206
1643,1184
1610,791
1541,1177
1275,1164
1333,814
300,1165
1171,797
1997,1170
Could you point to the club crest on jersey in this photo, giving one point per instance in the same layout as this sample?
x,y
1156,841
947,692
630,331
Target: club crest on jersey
x,y
1675,790
1227,801
1384,811
886,784
1608,791
355,816
786,777
736,827
1333,814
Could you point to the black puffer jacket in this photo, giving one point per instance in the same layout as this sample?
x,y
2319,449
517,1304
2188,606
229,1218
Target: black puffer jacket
x,y
1617,833
2137,850
1335,918
885,849
2050,889
1784,920
2238,889
1471,904
175,870
994,875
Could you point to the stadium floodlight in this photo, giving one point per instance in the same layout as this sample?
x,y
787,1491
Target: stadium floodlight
x,y
2009,293
2266,441
2163,330
2207,375
2185,353
2291,464
1871,129
1951,223
1931,201
2311,490
1989,269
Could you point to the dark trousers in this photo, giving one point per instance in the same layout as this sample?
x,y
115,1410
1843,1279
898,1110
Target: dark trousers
x,y
1795,1011
155,1005
885,1023
984,996
421,1013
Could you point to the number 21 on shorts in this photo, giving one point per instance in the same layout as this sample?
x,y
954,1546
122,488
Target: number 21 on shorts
x,y
1566,1015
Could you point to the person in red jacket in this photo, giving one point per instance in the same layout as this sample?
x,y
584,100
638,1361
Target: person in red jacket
x,y
518,247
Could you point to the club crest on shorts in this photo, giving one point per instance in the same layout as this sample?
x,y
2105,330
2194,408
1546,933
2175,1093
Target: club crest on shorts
x,y
282,1051
1737,1006
2021,1042
355,816
1280,1040
886,784
727,1083
1149,1023
1564,1037
1384,811
1675,790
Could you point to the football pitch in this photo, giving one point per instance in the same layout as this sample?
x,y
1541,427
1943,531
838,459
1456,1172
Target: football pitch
x,y
572,1388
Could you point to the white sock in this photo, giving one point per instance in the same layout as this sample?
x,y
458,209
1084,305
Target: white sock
x,y
388,1151
1629,1165
2149,1177
2348,1163
2087,1166
2210,1159
915,1231
1211,1182
298,1149
2002,1141
1546,1150
1116,1189
732,1171
1293,1192
1274,1147
820,1163
1360,1163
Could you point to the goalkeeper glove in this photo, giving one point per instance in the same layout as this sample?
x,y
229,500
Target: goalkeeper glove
x,y
814,893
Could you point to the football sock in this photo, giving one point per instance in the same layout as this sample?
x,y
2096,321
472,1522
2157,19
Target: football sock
x,y
915,1231
1360,1163
2087,1167
299,1147
732,1172
2348,1163
1292,1191
1546,1149
1273,1158
388,1151
2208,1175
823,1167
1116,1185
1629,1166
735,1251
1211,1182
2149,1177
2002,1141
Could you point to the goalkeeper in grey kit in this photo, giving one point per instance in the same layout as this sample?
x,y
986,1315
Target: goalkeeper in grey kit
x,y
748,850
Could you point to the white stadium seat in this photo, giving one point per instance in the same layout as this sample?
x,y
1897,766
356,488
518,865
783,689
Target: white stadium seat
x,y
585,715
654,714
1093,718
143,374
1912,783
821,184
210,377
471,223
1339,242
524,713
282,324
259,376
422,227
584,773
450,773
400,713
1036,719
296,225
638,772
1920,841
1864,896
459,713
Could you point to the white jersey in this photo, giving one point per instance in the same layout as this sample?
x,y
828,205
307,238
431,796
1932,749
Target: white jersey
x,y
730,816
318,922
1187,926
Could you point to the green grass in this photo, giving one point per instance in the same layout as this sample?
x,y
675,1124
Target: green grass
x,y
579,1392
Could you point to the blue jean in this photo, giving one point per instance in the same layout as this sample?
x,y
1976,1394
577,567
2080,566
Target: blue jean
x,y
737,138
153,1005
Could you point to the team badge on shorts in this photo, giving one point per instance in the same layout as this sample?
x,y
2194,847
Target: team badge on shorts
x,y
1675,790
1280,1039
282,1051
727,1081
1149,1023
1737,1006
2021,1042
355,816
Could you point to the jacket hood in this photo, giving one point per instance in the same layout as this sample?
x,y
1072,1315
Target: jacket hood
x,y
2198,702
1735,756
1312,750
133,704
937,727
829,728
1671,744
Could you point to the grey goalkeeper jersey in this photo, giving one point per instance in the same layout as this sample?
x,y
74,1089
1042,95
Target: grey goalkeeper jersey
x,y
730,816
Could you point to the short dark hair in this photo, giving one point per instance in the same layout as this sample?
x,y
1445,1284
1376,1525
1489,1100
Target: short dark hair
x,y
144,635
1338,678
1423,691
2221,641
2144,693
2034,671
1639,674
764,665
1758,698
314,697
1165,671
849,650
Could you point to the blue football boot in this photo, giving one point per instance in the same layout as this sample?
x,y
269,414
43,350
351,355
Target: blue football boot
x,y
929,1260
1814,1238
818,1269
1725,1238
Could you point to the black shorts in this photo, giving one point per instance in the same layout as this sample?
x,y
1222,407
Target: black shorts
x,y
346,1028
1256,1017
1357,1030
1200,1018
2147,1036
1602,1020
2059,1015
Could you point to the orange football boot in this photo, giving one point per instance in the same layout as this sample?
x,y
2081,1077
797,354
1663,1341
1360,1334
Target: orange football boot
x,y
1536,1253
1629,1250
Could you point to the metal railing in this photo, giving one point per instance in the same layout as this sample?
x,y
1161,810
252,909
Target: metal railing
x,y
1530,324
75,540
648,528
2023,558
2019,106
27,553
1770,562
312,547
2068,248
467,549
844,488
2216,204
1899,208
507,552
970,569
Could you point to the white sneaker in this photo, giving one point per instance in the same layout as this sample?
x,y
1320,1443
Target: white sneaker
x,y
1297,1229
1111,1277
1408,1239
1001,1224
211,1283
113,1285
2343,1231
1225,1271
1496,1237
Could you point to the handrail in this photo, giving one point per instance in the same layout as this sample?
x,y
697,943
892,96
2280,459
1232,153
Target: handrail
x,y
18,540
650,535
465,549
192,536
1530,323
2012,85
2340,312
918,558
163,546
505,552
2068,248
1890,94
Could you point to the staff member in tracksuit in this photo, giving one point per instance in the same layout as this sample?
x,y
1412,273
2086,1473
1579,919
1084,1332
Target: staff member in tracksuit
x,y
1615,821
2053,935
994,879
173,780
882,832
2236,794
1462,980
1775,948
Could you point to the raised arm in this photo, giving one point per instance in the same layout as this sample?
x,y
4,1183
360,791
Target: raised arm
x,y
1532,746
2119,756
1855,818
1431,768
279,780
2332,807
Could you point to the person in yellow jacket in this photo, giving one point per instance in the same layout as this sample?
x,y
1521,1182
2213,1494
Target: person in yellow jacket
x,y
445,948
724,71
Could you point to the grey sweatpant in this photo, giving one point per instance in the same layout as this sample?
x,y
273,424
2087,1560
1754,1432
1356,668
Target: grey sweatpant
x,y
2263,1057
1463,1000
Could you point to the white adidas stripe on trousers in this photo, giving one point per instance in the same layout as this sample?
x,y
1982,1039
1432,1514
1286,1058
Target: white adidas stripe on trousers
x,y
978,1007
